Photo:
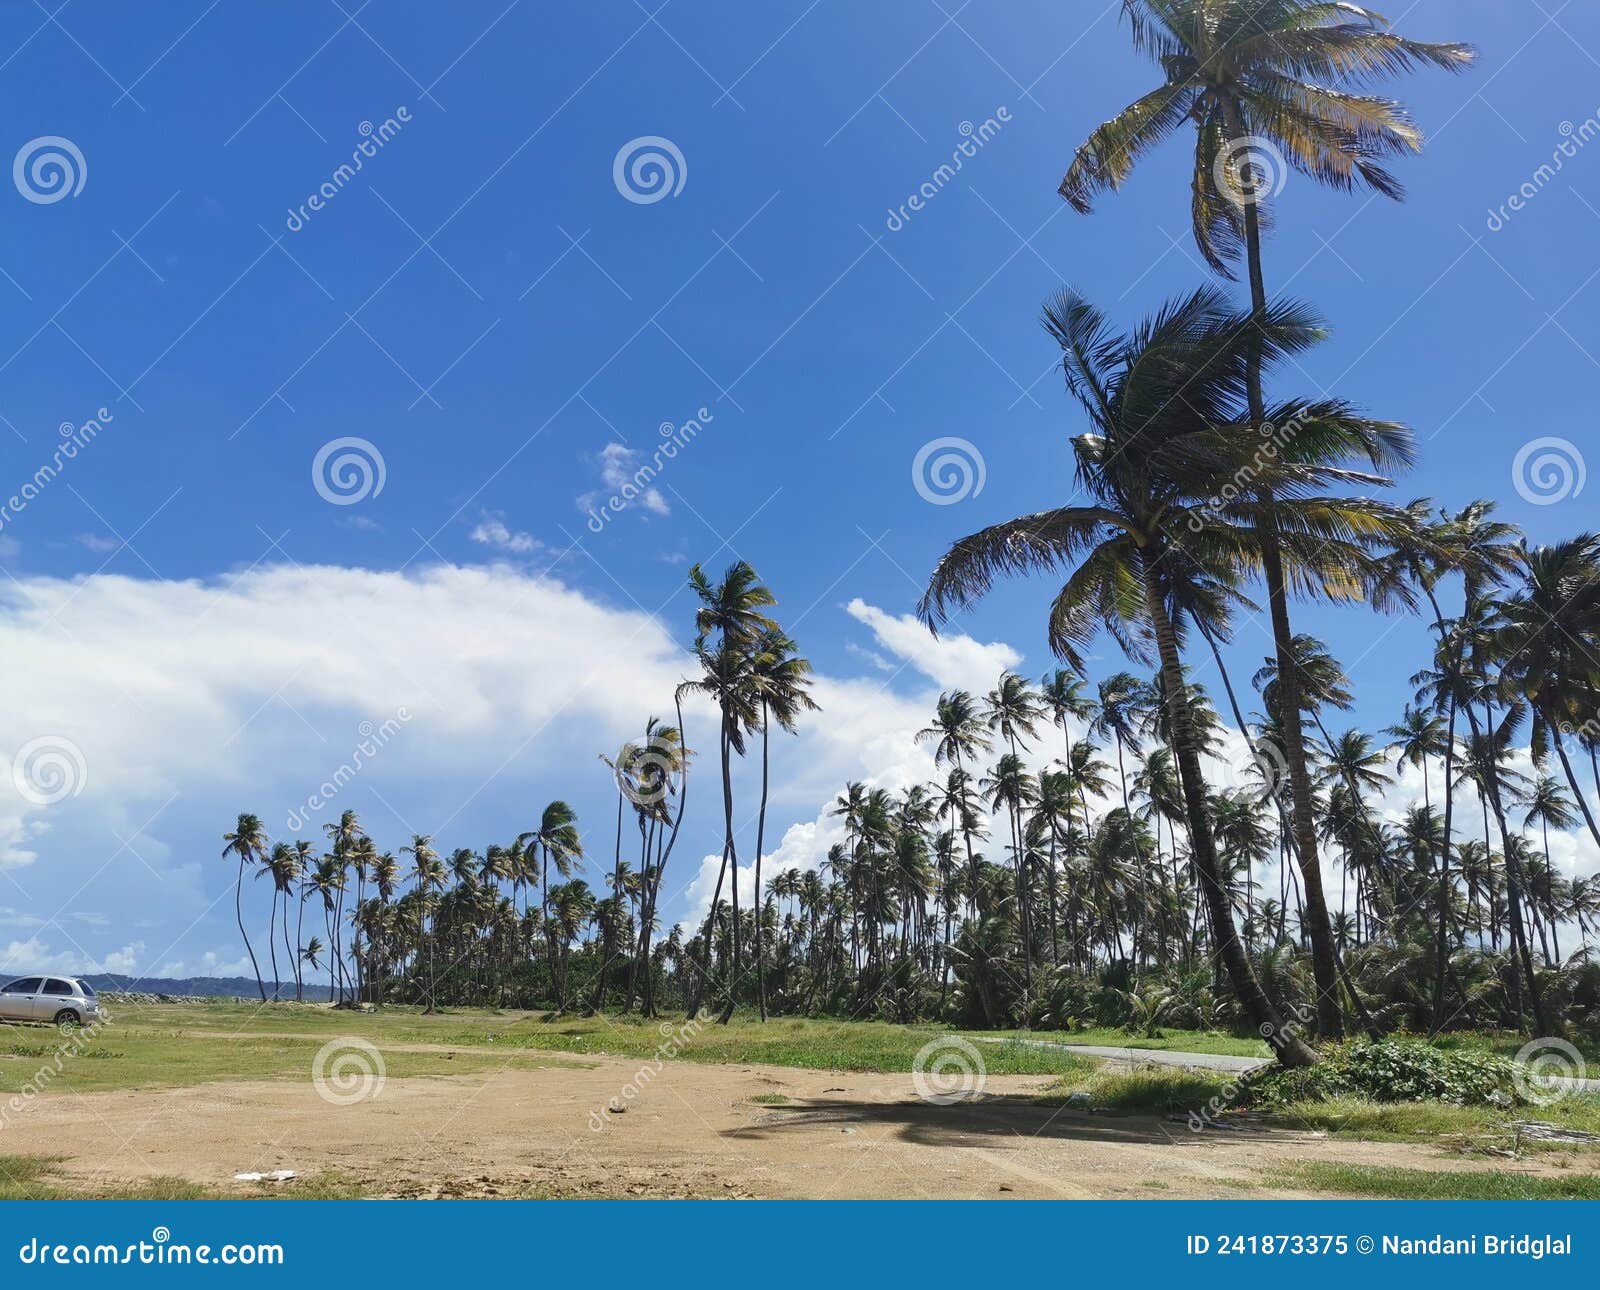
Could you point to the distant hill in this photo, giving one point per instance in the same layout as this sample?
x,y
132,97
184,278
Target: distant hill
x,y
219,987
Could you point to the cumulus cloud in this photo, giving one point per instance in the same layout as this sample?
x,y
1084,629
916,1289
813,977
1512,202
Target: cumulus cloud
x,y
493,532
37,955
627,482
192,700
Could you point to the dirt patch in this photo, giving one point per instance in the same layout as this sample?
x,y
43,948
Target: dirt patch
x,y
688,1130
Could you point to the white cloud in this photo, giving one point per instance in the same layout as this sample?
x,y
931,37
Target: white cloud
x,y
954,662
492,531
36,955
100,545
628,482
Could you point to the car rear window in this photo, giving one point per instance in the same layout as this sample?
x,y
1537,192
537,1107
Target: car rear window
x,y
87,989
55,985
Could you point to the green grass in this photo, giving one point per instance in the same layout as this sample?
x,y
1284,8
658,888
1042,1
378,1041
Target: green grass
x,y
1160,1090
41,1178
1385,1183
1177,1041
771,1099
164,1046
812,1044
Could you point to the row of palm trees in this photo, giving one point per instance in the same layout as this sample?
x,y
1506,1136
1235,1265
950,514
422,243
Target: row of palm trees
x,y
466,929
1059,854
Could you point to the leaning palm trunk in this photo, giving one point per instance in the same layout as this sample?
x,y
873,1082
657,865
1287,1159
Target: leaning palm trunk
x,y
1302,800
1291,1050
238,913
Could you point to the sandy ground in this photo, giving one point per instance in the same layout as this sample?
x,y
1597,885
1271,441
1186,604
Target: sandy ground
x,y
692,1130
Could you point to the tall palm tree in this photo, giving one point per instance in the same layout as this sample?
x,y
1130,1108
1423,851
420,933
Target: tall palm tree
x,y
781,679
1550,643
959,735
248,842
283,867
556,841
1151,540
1547,804
1246,71
428,873
730,615
304,860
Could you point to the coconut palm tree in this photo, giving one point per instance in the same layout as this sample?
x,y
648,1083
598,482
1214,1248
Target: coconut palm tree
x,y
283,867
1549,647
248,842
327,881
730,613
556,841
304,860
428,873
959,735
781,679
1151,540
1255,74
1547,804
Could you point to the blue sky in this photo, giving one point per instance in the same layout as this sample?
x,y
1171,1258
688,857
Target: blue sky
x,y
484,306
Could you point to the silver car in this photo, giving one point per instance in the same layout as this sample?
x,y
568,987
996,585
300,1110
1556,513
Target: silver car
x,y
63,1000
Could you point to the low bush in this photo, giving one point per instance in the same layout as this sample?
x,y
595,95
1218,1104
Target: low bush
x,y
1394,1071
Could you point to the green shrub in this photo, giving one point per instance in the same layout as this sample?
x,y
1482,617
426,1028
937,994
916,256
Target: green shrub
x,y
1393,1071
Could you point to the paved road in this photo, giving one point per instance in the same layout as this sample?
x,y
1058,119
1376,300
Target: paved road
x,y
1195,1061
1147,1056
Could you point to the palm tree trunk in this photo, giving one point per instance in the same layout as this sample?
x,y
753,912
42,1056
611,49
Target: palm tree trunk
x,y
1290,1049
733,863
761,830
1330,1022
300,944
238,913
272,941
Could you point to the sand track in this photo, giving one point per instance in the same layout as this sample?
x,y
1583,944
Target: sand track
x,y
692,1130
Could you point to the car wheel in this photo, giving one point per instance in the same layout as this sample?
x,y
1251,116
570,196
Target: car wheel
x,y
66,1020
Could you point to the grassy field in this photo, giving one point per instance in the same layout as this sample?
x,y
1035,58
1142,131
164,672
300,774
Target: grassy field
x,y
1175,1041
162,1046
150,1045
1427,1184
